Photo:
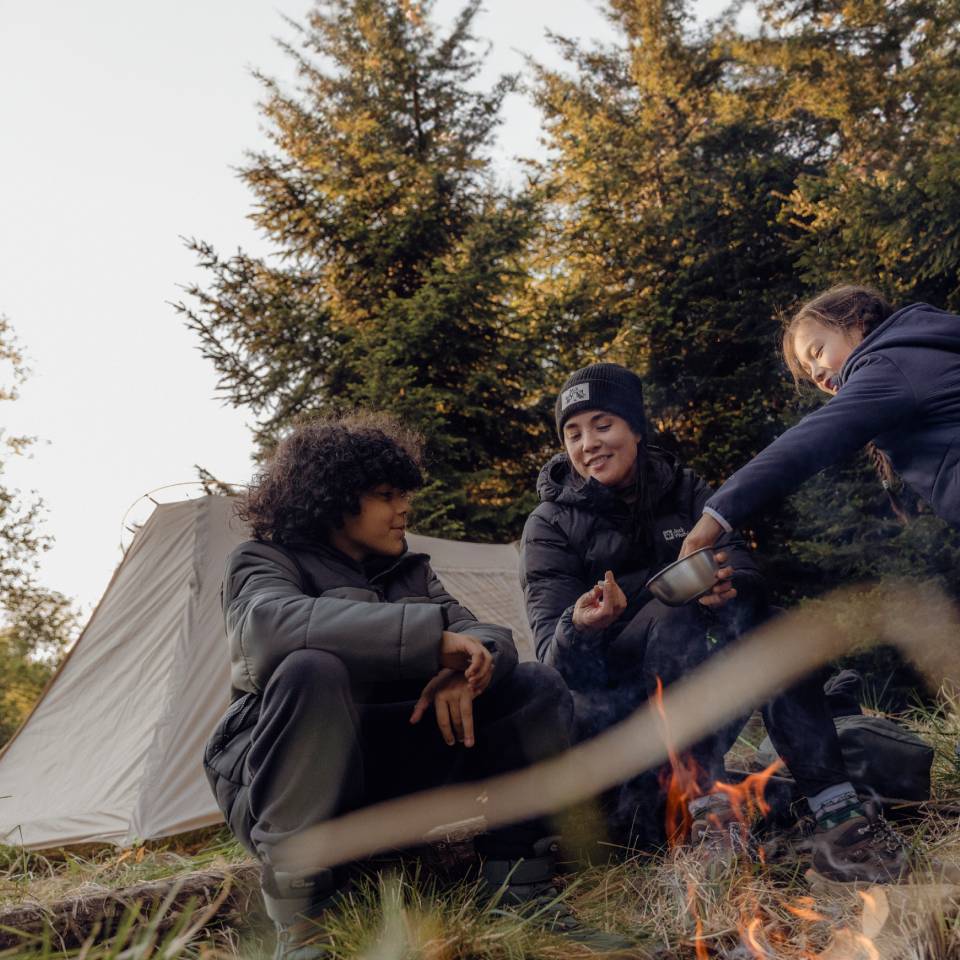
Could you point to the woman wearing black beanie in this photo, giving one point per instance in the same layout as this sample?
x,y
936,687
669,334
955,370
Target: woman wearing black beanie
x,y
614,511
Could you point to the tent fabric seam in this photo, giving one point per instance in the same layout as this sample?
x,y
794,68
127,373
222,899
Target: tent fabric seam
x,y
156,750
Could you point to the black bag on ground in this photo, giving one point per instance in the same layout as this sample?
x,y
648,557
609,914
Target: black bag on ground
x,y
883,758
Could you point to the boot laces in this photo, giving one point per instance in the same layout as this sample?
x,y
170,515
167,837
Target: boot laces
x,y
880,834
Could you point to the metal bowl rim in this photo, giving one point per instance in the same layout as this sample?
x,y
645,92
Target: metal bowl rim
x,y
675,563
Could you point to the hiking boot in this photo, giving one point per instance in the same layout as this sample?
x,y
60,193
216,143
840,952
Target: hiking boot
x,y
527,887
717,836
296,905
859,847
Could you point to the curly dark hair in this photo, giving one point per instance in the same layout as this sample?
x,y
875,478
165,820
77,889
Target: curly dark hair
x,y
317,474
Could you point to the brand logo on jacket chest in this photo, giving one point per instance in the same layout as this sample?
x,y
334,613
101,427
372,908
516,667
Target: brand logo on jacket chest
x,y
675,533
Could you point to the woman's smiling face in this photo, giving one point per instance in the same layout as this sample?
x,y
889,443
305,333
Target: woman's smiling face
x,y
603,446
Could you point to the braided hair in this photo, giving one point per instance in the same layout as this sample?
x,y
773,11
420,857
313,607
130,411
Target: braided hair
x,y
845,307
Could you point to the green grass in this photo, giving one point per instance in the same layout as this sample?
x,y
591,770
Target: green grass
x,y
665,901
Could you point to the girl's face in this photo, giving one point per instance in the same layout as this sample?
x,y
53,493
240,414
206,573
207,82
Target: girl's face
x,y
822,351
603,446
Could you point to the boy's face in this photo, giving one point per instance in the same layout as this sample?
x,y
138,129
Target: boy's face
x,y
378,528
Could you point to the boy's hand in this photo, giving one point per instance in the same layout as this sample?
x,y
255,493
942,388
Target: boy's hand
x,y
600,606
466,654
452,698
723,590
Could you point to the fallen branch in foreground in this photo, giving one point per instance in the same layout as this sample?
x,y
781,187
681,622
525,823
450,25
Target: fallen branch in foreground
x,y
71,922
917,618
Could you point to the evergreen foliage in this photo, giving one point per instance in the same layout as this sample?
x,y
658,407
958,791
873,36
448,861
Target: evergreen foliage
x,y
35,624
873,91
699,181
665,249
396,259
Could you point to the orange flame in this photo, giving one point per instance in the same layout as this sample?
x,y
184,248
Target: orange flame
x,y
802,908
750,938
855,945
869,900
681,783
870,951
747,797
699,946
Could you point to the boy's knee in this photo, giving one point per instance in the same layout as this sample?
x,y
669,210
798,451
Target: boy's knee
x,y
310,671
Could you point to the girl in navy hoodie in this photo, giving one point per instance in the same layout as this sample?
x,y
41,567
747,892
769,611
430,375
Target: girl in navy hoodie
x,y
894,382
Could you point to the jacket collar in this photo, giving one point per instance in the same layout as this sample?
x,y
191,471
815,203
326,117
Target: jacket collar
x,y
373,568
560,483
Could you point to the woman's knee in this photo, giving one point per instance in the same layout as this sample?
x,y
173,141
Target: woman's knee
x,y
540,680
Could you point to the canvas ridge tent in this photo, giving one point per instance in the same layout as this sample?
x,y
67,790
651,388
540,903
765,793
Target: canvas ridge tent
x,y
112,750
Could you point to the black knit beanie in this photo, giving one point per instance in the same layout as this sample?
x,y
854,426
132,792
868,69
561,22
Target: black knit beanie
x,y
602,386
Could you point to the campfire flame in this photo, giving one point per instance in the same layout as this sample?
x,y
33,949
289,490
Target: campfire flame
x,y
681,780
747,797
802,909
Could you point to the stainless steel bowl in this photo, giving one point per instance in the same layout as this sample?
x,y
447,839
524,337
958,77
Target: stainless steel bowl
x,y
685,580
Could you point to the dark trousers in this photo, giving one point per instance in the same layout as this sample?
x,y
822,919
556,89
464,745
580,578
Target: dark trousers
x,y
323,746
669,642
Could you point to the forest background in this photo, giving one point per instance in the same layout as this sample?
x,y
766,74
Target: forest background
x,y
699,180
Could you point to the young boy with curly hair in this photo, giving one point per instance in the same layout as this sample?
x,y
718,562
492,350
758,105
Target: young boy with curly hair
x,y
341,641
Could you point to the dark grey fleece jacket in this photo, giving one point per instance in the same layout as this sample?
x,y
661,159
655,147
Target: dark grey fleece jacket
x,y
582,529
901,388
383,619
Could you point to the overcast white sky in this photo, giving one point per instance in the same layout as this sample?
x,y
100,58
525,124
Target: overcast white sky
x,y
121,122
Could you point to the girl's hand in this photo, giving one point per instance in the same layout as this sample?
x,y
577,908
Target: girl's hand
x,y
600,606
705,533
723,590
452,698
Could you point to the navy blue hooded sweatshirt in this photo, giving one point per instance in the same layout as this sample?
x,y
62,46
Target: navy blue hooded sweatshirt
x,y
900,388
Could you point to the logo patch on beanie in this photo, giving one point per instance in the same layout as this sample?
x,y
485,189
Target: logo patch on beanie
x,y
574,394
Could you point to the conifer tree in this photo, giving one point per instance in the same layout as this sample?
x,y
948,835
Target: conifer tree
x,y
664,250
872,94
876,88
396,258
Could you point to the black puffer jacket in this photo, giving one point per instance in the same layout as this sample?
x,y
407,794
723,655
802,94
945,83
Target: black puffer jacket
x,y
581,529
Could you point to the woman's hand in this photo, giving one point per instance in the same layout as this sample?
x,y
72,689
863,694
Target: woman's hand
x,y
452,698
723,590
705,533
465,654
600,606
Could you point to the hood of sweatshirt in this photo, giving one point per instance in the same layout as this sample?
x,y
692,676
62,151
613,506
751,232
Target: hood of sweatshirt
x,y
916,325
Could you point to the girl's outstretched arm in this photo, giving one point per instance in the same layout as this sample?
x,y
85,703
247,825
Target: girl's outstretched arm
x,y
876,397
